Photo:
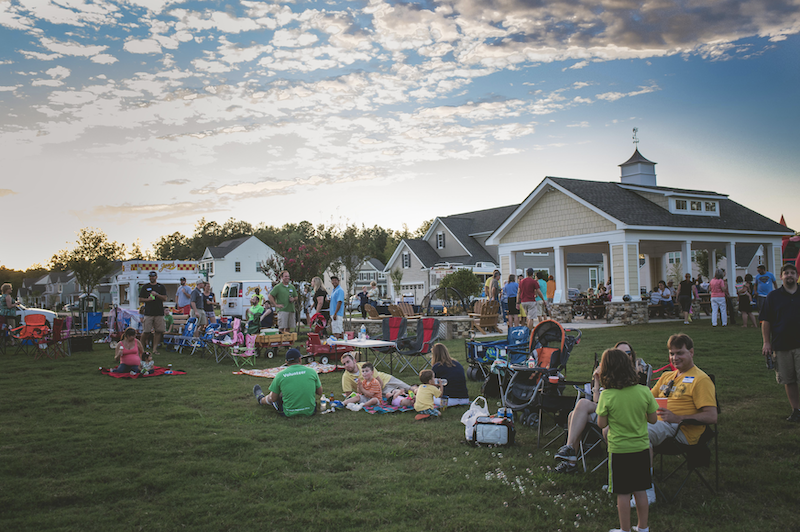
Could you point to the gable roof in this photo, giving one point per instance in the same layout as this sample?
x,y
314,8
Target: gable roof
x,y
375,263
466,225
630,208
423,251
224,248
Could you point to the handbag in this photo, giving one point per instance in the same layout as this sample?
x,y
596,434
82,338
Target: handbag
x,y
470,417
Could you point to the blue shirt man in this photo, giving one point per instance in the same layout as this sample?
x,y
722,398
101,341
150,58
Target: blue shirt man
x,y
765,283
337,308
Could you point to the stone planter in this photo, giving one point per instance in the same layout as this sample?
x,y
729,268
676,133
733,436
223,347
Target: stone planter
x,y
561,312
627,313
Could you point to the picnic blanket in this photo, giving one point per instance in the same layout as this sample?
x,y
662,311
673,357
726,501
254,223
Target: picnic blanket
x,y
270,373
386,408
157,372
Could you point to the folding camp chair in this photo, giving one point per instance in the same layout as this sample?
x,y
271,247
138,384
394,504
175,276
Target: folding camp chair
x,y
411,352
55,344
246,354
394,329
32,333
692,456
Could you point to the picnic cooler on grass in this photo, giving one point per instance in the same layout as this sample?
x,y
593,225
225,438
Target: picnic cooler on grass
x,y
493,431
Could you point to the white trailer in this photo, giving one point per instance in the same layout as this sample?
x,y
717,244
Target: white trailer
x,y
135,273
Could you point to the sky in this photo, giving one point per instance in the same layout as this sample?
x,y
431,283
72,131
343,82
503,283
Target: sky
x,y
139,117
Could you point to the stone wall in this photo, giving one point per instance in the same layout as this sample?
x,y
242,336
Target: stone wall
x,y
561,312
627,313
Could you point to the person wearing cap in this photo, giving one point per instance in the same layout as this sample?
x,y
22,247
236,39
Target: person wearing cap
x,y
153,295
294,390
184,298
765,283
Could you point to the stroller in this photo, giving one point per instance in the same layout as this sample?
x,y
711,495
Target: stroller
x,y
481,355
536,388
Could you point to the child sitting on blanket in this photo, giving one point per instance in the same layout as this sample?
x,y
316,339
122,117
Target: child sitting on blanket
x,y
369,388
402,397
146,367
431,387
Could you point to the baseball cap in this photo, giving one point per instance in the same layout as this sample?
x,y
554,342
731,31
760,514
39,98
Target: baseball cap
x,y
152,274
292,354
183,278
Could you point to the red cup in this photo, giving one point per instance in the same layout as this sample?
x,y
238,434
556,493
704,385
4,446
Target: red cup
x,y
662,402
553,379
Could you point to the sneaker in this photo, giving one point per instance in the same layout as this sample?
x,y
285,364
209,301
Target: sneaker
x,y
566,467
686,322
651,497
258,393
567,453
795,417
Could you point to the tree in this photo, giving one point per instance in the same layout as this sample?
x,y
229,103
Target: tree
x,y
350,247
396,276
91,259
171,247
303,262
464,281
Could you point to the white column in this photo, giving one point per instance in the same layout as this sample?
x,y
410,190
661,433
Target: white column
x,y
512,264
561,273
769,260
606,271
686,257
712,262
731,253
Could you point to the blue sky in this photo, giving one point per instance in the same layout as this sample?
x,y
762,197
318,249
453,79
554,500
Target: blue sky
x,y
140,117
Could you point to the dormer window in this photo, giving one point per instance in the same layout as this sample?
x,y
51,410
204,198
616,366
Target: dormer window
x,y
696,205
701,206
711,206
680,204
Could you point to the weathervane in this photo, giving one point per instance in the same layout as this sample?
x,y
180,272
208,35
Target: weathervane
x,y
635,139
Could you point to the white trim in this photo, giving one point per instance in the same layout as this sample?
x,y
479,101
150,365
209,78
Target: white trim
x,y
440,222
393,258
712,195
529,202
733,232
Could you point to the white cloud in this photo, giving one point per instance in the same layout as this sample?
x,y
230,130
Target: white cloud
x,y
58,72
40,56
143,46
47,83
10,88
104,59
71,48
613,96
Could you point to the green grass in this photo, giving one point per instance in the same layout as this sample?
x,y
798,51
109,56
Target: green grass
x,y
81,451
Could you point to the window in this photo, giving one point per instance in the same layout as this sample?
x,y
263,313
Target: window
x,y
694,255
711,206
536,254
680,204
406,260
697,205
258,266
593,277
237,267
439,240
674,257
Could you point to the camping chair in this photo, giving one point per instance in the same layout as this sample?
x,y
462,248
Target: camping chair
x,y
372,312
692,456
487,321
394,329
410,350
33,332
94,322
246,354
55,345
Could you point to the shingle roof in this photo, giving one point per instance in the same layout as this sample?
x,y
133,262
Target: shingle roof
x,y
424,252
745,253
469,223
378,265
226,247
632,209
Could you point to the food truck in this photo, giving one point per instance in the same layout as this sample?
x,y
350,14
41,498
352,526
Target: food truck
x,y
135,273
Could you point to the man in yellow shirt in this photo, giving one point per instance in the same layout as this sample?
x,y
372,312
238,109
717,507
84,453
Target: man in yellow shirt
x,y
352,371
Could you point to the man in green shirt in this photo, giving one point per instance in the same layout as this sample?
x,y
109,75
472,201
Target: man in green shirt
x,y
294,390
282,297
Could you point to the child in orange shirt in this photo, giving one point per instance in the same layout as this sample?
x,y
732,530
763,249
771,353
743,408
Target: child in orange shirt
x,y
370,388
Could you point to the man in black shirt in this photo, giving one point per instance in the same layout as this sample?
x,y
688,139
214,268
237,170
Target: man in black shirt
x,y
780,317
153,296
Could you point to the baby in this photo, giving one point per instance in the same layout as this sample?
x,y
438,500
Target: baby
x,y
401,397
369,388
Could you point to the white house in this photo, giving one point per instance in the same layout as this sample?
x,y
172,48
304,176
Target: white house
x,y
234,260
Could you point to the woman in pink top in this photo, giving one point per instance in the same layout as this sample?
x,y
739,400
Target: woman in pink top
x,y
129,352
718,288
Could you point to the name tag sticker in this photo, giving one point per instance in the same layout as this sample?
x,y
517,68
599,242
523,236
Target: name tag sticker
x,y
688,380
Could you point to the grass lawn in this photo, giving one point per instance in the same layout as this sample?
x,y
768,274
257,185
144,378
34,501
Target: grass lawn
x,y
81,451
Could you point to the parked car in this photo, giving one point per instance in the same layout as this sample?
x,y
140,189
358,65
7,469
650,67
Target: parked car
x,y
573,294
23,311
354,304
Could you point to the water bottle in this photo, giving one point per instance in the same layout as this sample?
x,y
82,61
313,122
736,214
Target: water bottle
x,y
363,335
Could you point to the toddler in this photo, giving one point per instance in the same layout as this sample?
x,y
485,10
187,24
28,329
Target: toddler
x,y
626,407
431,387
146,367
370,388
401,397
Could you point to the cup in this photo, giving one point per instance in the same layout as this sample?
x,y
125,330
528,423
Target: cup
x,y
553,379
662,403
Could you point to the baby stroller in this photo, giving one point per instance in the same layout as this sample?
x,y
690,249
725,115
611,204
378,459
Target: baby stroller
x,y
536,388
481,355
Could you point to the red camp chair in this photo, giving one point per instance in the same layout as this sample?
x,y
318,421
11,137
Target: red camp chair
x,y
55,344
32,333
411,351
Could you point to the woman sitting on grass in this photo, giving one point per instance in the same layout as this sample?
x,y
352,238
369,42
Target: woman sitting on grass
x,y
444,367
129,353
